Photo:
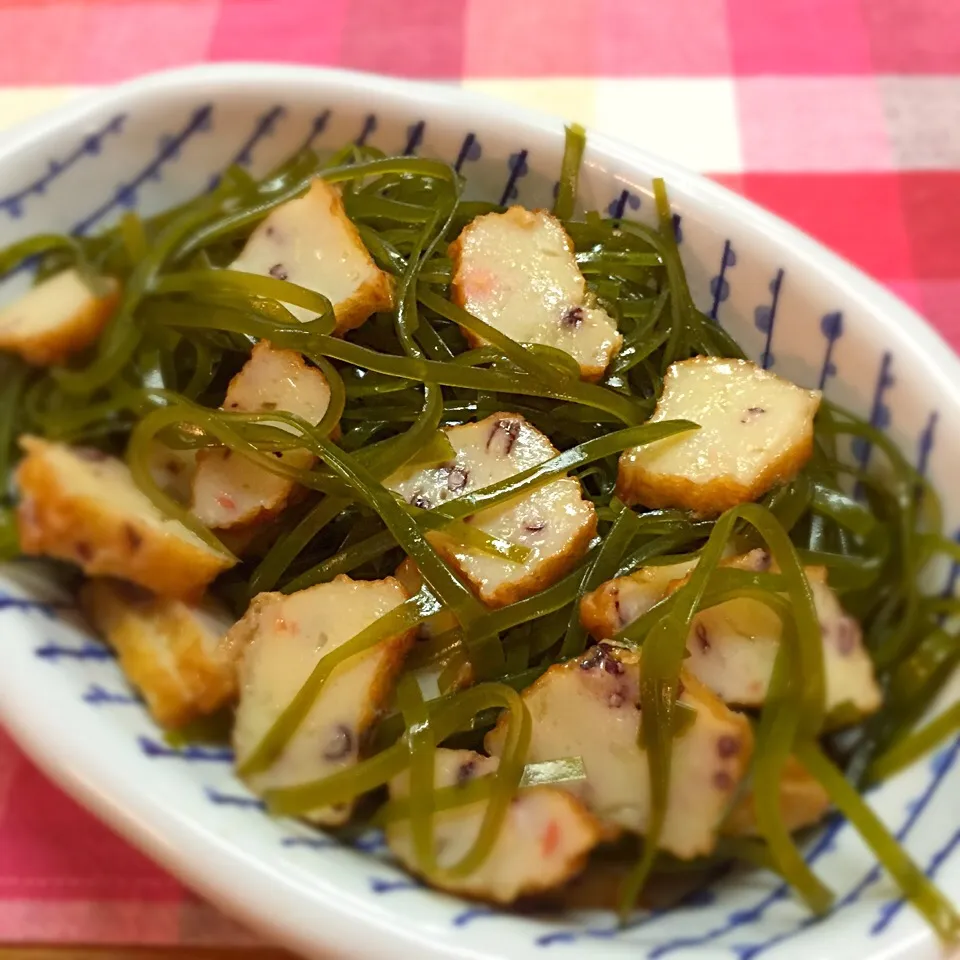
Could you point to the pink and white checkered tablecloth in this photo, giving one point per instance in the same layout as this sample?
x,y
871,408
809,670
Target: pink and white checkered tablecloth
x,y
841,115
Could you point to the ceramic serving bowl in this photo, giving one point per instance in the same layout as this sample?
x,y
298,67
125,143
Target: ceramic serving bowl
x,y
795,307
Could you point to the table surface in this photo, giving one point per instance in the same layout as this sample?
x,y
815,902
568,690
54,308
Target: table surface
x,y
841,115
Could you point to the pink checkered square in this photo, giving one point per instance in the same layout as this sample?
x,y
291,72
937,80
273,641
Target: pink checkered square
x,y
530,38
732,181
859,215
798,37
923,117
909,291
264,30
115,44
931,200
51,849
42,42
11,761
938,303
411,38
914,36
813,123
644,38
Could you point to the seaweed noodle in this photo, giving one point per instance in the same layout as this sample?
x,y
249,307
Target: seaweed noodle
x,y
160,371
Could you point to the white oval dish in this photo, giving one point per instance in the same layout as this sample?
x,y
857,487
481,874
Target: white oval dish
x,y
793,306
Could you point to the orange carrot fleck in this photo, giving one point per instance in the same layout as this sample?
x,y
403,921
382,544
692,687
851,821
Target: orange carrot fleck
x,y
551,837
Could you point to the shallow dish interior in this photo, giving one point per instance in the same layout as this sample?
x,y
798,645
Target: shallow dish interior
x,y
795,309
